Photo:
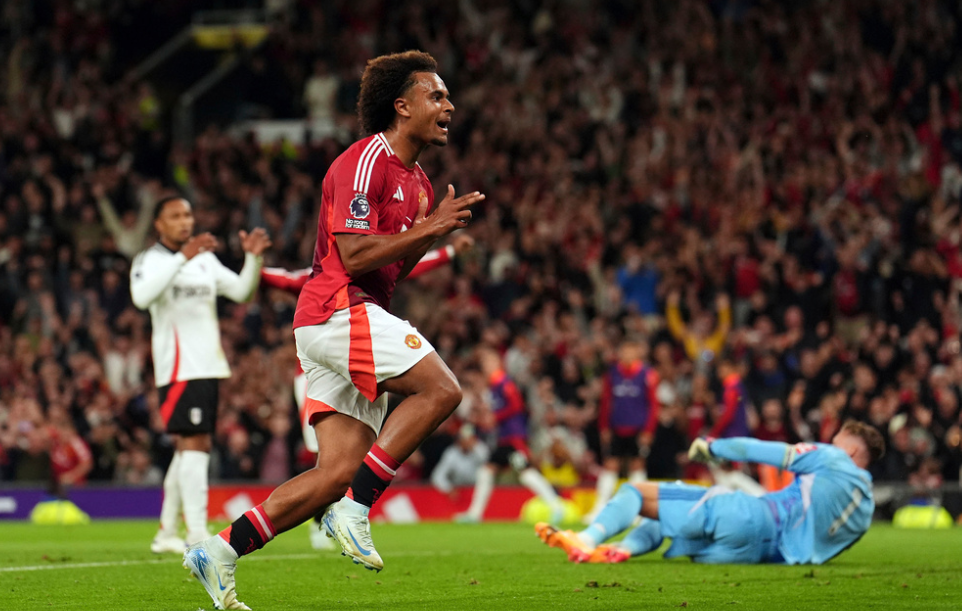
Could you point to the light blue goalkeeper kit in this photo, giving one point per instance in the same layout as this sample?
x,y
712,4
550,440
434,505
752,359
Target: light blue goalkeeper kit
x,y
824,511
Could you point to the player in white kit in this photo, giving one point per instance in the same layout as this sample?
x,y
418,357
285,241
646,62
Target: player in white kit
x,y
178,280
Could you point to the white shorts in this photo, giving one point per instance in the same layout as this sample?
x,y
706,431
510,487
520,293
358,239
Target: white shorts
x,y
346,357
300,394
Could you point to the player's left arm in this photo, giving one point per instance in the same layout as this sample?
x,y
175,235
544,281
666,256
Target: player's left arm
x,y
412,262
440,257
434,259
798,458
241,287
280,278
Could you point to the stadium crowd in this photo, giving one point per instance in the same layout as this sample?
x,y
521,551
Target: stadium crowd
x,y
775,183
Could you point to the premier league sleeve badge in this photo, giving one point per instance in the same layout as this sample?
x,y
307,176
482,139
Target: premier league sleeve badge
x,y
360,209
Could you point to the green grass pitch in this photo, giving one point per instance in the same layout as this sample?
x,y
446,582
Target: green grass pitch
x,y
107,566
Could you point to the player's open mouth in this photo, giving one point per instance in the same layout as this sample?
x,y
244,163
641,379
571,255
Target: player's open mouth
x,y
443,124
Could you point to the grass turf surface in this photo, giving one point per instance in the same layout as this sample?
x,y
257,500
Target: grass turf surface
x,y
107,566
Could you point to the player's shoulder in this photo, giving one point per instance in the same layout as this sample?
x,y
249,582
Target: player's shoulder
x,y
824,453
803,448
206,261
363,155
155,251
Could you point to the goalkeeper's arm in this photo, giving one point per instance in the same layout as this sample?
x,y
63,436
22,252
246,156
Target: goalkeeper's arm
x,y
743,449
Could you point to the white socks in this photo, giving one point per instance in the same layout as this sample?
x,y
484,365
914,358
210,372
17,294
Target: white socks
x,y
535,482
482,493
170,509
193,490
222,550
637,477
352,506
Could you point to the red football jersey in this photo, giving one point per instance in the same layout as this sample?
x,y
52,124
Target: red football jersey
x,y
367,191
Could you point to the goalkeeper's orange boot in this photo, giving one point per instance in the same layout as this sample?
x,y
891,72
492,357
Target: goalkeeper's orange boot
x,y
565,540
608,554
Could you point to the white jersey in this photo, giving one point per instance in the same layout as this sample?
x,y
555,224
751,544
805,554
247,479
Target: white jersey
x,y
181,296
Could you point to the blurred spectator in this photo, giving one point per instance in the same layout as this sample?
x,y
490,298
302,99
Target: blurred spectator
x,y
134,468
70,457
460,462
320,92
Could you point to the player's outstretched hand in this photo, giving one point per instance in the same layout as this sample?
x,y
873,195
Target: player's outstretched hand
x,y
255,242
198,244
700,450
451,214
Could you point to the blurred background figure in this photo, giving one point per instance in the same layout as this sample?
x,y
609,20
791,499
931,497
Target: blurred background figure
x,y
460,463
505,417
628,417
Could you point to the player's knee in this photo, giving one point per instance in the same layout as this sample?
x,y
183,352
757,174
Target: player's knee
x,y
449,395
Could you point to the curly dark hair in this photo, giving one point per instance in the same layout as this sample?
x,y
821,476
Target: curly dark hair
x,y
385,79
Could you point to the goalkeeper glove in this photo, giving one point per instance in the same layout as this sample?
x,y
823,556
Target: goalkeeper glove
x,y
700,450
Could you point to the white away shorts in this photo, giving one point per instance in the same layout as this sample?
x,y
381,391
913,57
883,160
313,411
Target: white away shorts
x,y
346,357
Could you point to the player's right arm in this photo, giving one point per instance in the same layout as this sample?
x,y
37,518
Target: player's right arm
x,y
151,275
362,253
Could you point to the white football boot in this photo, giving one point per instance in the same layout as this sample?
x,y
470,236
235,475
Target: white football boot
x,y
212,562
346,522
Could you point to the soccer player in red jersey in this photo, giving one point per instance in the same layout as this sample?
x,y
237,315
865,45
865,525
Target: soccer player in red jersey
x,y
293,282
374,226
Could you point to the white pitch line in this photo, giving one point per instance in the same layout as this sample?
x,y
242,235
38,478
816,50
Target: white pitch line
x,y
93,565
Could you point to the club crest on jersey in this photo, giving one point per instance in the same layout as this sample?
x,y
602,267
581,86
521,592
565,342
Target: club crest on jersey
x,y
413,341
360,207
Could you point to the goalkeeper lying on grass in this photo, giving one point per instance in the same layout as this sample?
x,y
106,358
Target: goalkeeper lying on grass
x,y
824,512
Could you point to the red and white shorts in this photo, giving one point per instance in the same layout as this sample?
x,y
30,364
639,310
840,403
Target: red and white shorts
x,y
346,357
